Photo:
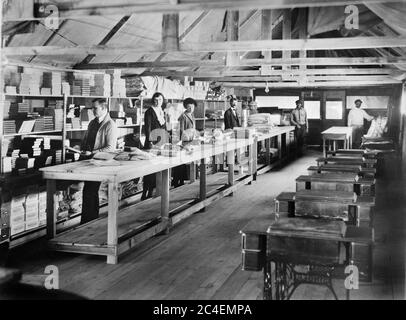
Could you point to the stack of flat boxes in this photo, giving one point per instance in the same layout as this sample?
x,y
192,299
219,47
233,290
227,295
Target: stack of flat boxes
x,y
4,225
42,207
31,210
26,211
17,214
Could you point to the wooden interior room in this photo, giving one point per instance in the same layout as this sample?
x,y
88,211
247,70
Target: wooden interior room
x,y
203,150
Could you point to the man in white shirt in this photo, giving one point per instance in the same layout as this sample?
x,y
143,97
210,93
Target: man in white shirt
x,y
356,118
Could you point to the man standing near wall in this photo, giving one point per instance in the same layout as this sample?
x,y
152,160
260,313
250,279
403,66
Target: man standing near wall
x,y
356,118
299,120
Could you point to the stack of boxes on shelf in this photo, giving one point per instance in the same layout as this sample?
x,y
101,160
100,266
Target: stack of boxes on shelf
x,y
118,84
4,225
51,83
9,127
17,214
30,82
26,210
101,85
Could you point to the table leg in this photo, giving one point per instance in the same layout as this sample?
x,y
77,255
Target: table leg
x,y
112,226
203,179
192,172
268,151
158,177
280,147
255,159
165,200
334,145
348,253
214,164
251,159
230,165
287,144
324,147
267,293
51,209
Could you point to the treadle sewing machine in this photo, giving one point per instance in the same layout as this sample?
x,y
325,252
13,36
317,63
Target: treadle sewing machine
x,y
295,251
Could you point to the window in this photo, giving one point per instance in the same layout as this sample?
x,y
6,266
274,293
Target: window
x,y
334,110
282,102
312,109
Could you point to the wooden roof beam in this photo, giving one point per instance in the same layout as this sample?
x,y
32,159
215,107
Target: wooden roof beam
x,y
295,84
226,46
76,9
266,64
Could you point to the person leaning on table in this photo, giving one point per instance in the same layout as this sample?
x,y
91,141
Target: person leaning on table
x,y
101,136
356,118
154,119
186,122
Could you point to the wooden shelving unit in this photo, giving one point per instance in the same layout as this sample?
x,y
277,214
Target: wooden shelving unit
x,y
34,178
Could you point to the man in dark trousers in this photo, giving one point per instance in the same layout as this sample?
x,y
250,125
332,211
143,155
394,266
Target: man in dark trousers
x,y
101,136
300,121
231,118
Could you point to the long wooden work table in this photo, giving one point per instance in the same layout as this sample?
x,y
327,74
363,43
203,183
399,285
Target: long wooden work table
x,y
126,226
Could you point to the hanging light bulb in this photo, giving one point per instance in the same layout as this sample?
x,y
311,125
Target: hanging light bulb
x,y
267,88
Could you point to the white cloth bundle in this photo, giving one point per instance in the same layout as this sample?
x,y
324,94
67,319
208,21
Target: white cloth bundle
x,y
259,118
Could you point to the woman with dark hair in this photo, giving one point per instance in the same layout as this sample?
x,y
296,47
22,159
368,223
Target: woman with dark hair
x,y
154,124
186,121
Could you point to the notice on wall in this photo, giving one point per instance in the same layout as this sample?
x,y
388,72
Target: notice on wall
x,y
281,102
334,110
312,109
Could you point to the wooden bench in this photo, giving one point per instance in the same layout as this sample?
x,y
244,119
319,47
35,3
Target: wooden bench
x,y
359,153
349,182
342,168
367,163
357,210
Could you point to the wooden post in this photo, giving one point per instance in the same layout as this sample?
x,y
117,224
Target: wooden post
x,y
192,172
170,32
268,151
286,33
324,147
51,210
165,200
158,178
255,158
266,30
232,58
112,226
203,179
280,147
230,165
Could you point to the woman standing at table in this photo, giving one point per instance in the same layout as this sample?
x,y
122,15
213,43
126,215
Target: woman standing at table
x,y
186,121
154,124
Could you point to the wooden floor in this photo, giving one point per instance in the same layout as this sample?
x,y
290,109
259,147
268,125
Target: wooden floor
x,y
201,259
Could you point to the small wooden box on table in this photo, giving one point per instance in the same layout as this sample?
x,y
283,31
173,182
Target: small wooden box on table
x,y
337,182
335,134
342,169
